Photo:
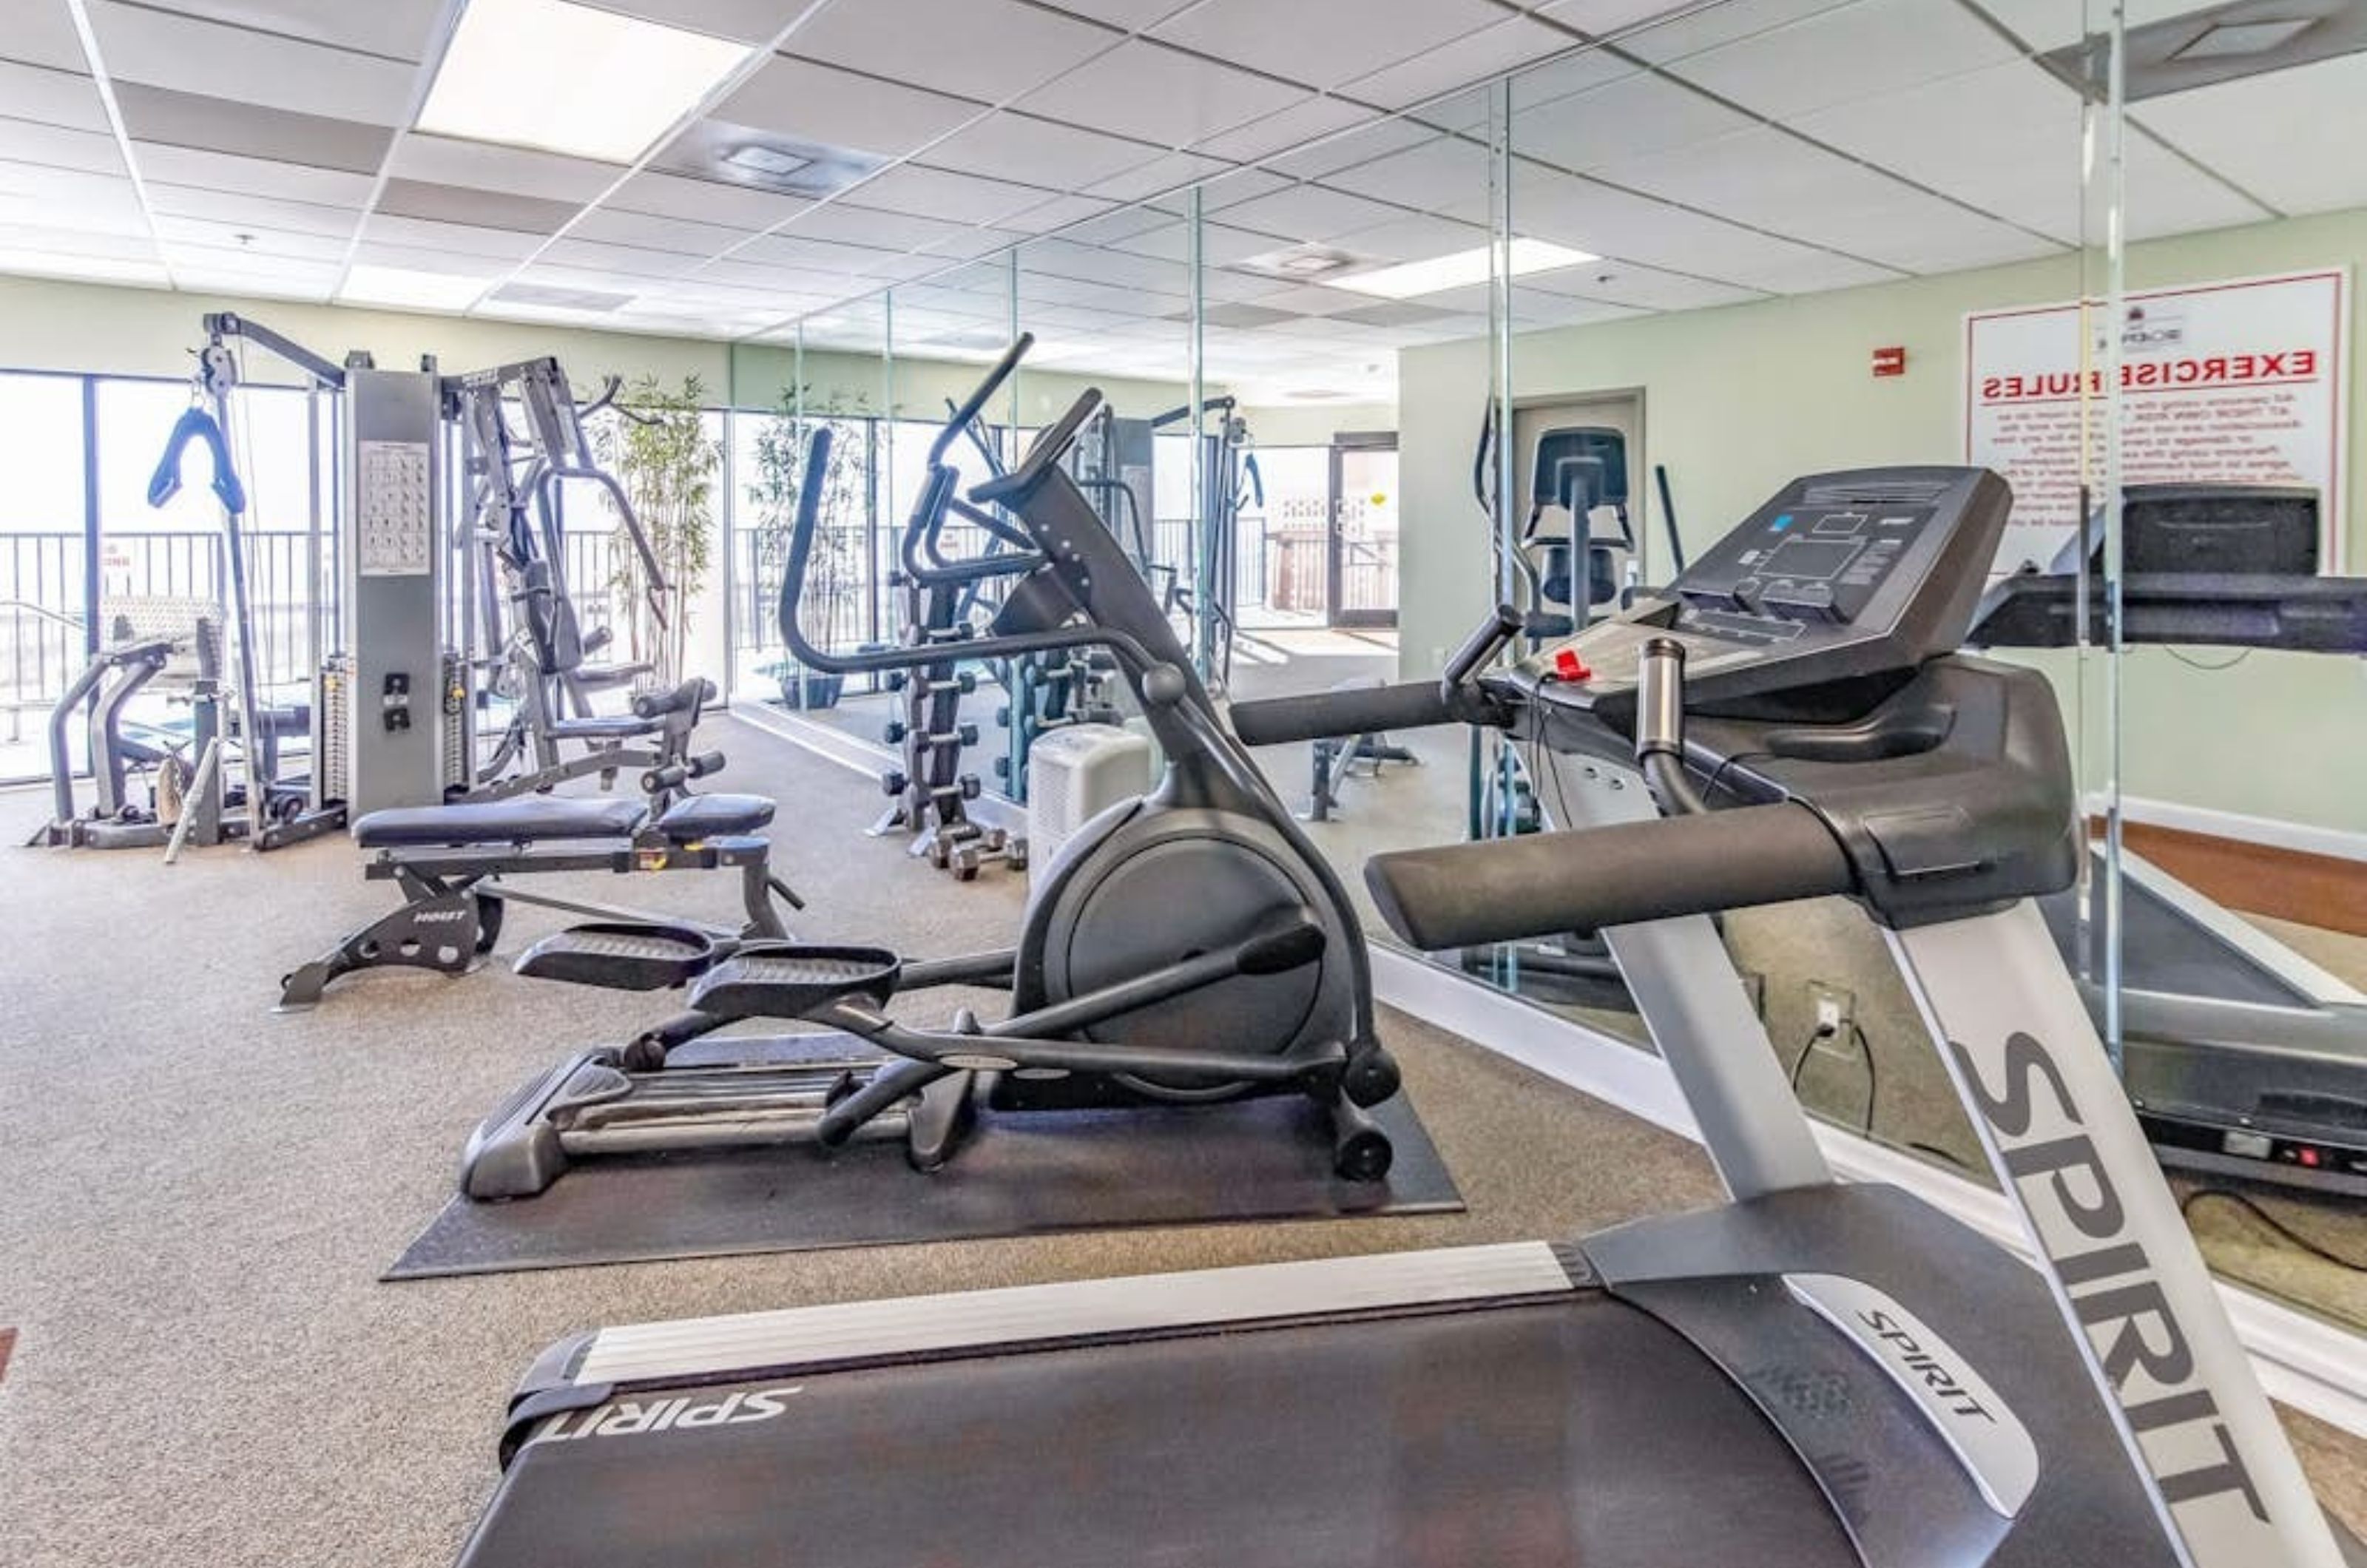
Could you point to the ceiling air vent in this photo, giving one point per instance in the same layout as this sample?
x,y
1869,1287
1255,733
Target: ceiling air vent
x,y
2218,43
765,160
1304,263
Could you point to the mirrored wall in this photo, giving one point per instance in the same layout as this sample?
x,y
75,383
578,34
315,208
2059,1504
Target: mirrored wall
x,y
1543,342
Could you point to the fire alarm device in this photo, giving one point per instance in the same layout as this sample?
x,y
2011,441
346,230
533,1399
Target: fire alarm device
x,y
1890,361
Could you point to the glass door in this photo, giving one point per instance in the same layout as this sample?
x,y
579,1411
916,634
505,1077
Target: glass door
x,y
1361,565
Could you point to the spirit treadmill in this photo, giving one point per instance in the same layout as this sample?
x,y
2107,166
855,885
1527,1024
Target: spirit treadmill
x,y
1809,1373
2243,1057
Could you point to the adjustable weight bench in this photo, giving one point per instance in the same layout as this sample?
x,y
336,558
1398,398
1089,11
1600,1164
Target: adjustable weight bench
x,y
450,861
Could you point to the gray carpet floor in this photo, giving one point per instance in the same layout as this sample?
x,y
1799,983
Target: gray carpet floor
x,y
199,1195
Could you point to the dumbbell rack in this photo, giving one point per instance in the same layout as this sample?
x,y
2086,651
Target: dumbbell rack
x,y
1050,691
929,790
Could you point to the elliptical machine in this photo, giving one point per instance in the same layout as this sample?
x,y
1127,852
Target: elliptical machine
x,y
1184,948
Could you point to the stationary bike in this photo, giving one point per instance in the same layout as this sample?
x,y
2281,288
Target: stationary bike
x,y
1186,947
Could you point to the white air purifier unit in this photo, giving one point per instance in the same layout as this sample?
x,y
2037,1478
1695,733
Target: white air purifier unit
x,y
1076,772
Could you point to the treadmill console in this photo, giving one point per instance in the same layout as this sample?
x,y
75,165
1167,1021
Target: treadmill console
x,y
1840,578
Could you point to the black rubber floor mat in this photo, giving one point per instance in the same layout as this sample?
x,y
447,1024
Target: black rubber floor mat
x,y
1017,1174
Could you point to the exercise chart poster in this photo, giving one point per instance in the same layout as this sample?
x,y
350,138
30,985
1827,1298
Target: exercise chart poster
x,y
2239,381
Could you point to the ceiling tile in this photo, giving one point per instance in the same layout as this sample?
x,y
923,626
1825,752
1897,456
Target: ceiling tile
x,y
400,29
1310,212
1167,172
2167,195
1620,120
934,193
743,21
1625,283
628,261
839,108
970,243
66,244
460,238
1036,151
286,244
1811,272
1446,174
29,143
441,160
247,131
71,198
1579,73
1375,140
251,176
1774,181
988,50
851,224
1835,57
251,211
1324,42
1220,245
2251,130
1056,213
1286,130
1155,94
194,56
483,208
1414,239
828,256
377,251
1124,224
1625,226
1474,57
613,226
705,201
1124,15
1704,27
41,32
64,99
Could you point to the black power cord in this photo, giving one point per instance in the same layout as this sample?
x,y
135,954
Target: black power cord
x,y
2260,1213
1856,1036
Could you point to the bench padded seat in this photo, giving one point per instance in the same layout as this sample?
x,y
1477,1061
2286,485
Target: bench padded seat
x,y
603,727
696,816
504,821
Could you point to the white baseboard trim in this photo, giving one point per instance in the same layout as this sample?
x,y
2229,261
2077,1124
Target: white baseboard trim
x,y
2302,1361
2303,837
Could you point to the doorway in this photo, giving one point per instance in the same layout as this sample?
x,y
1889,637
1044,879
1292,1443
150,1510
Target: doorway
x,y
1361,549
1319,536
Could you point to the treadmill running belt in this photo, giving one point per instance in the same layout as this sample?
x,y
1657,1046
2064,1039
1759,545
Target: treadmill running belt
x,y
1017,1174
1574,1433
2162,951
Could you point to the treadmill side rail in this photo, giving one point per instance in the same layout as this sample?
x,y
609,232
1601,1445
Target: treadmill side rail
x,y
2069,1153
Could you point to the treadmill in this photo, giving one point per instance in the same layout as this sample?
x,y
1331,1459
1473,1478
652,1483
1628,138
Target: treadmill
x,y
2243,1057
1808,1373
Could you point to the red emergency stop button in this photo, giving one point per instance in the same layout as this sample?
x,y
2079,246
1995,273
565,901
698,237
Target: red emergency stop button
x,y
1569,666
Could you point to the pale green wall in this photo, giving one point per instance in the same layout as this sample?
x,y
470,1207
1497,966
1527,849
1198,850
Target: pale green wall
x,y
921,387
49,325
1314,424
1738,400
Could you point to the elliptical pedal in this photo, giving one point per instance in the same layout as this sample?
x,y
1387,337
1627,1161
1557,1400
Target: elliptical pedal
x,y
622,955
789,979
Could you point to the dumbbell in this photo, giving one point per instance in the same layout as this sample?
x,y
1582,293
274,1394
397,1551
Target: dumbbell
x,y
893,782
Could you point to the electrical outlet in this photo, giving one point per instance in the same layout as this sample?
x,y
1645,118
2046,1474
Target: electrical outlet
x,y
1831,1009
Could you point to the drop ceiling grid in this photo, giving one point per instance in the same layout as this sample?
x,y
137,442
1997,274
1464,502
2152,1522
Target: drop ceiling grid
x,y
1220,34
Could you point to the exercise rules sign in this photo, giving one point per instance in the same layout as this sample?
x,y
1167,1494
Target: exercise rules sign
x,y
2235,382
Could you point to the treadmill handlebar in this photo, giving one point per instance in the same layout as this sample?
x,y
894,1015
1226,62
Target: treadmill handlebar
x,y
1549,883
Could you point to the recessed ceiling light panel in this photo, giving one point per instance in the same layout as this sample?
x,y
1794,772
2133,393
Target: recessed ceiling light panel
x,y
1460,270
409,289
568,78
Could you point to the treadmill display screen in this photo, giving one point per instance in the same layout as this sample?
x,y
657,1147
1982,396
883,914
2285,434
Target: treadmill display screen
x,y
1808,560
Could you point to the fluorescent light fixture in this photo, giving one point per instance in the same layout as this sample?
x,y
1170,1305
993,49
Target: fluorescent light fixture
x,y
770,162
1457,271
403,287
567,78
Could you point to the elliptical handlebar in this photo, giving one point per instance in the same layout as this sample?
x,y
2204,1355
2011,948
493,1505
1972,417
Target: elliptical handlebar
x,y
1042,453
972,406
793,583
